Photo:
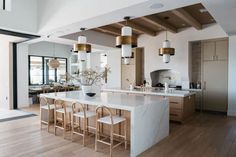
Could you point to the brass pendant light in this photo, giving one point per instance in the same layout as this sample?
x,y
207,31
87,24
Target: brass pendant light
x,y
166,51
53,63
126,41
82,45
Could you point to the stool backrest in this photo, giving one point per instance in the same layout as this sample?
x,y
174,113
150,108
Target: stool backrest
x,y
102,108
76,106
44,102
58,104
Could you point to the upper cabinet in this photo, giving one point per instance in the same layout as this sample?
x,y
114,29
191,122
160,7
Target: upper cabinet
x,y
209,51
221,50
215,50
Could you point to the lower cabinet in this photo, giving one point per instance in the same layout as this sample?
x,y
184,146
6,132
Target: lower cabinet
x,y
181,107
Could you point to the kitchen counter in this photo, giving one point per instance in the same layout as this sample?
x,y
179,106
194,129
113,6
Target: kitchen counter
x,y
172,92
148,116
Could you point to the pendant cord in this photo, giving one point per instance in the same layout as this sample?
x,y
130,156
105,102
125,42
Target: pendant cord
x,y
166,34
54,50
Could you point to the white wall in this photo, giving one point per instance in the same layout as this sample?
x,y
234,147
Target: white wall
x,y
22,75
22,17
232,77
47,49
114,62
5,74
180,42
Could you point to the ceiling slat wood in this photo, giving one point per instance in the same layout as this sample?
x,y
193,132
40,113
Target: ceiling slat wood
x,y
159,23
184,15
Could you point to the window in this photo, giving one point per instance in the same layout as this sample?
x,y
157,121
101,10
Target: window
x,y
36,70
41,73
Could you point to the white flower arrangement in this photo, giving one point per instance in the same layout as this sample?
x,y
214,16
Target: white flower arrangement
x,y
90,76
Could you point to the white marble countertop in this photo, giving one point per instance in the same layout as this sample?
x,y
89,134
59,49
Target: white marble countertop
x,y
112,100
172,92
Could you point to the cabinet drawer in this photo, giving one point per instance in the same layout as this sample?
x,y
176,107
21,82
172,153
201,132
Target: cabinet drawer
x,y
175,105
176,114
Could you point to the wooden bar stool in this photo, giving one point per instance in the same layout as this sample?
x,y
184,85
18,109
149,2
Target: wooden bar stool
x,y
61,122
110,120
49,108
80,112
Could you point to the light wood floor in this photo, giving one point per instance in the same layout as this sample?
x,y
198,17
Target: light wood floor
x,y
205,135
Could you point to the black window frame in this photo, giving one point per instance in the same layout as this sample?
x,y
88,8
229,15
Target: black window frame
x,y
43,71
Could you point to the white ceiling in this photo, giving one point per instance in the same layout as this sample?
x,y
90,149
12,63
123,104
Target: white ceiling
x,y
224,12
10,38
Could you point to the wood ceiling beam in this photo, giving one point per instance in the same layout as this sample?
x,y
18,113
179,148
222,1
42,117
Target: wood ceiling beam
x,y
159,23
111,30
139,28
184,15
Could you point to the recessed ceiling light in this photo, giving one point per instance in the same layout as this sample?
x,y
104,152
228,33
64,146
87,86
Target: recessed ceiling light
x,y
156,6
203,10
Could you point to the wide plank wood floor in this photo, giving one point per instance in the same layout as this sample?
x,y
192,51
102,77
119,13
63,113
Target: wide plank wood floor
x,y
204,135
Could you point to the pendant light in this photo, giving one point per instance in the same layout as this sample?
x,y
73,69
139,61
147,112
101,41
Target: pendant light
x,y
82,48
166,51
53,63
126,42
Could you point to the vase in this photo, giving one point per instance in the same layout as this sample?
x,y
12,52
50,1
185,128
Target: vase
x,y
86,89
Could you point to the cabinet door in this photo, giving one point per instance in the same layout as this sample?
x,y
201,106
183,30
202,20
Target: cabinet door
x,y
222,50
208,51
216,84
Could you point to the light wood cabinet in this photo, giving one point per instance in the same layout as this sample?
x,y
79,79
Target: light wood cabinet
x,y
133,72
221,50
215,50
215,75
181,107
209,51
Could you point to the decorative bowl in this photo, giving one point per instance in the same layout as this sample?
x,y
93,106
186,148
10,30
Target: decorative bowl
x,y
91,94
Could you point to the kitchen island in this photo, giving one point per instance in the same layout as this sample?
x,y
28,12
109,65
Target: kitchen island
x,y
148,116
181,102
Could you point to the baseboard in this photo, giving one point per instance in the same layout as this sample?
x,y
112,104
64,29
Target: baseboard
x,y
212,112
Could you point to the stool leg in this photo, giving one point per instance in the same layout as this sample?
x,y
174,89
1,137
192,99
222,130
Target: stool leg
x,y
55,122
48,119
125,130
96,136
40,118
111,141
64,130
84,129
72,127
